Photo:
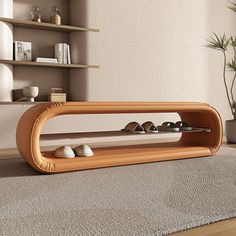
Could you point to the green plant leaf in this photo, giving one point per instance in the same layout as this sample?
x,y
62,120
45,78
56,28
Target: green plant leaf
x,y
231,65
218,42
233,41
232,7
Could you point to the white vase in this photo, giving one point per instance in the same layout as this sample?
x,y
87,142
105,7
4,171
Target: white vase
x,y
6,52
31,93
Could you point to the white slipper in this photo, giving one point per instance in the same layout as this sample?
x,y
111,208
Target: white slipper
x,y
83,151
64,152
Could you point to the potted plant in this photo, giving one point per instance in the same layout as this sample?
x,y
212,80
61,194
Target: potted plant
x,y
225,44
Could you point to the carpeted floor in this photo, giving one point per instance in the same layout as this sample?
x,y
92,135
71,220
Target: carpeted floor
x,y
147,199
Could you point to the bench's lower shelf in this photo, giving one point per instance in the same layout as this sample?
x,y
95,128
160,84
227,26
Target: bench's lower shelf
x,y
197,143
131,154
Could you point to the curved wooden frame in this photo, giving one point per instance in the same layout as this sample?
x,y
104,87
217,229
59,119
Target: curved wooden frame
x,y
189,145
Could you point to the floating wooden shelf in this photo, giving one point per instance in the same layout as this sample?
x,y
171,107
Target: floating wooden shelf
x,y
43,64
45,26
198,143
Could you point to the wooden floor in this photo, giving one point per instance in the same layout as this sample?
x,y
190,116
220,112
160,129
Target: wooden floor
x,y
222,228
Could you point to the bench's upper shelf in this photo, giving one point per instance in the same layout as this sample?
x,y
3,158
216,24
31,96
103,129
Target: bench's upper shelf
x,y
45,26
115,133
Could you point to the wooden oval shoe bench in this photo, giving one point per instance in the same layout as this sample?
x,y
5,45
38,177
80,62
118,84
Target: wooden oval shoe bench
x,y
202,141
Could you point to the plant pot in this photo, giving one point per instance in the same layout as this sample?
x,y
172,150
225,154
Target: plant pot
x,y
230,130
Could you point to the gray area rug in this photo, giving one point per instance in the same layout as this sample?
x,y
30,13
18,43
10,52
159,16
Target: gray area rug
x,y
148,199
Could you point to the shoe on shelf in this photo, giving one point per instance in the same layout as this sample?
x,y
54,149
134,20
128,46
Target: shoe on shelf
x,y
169,127
64,152
149,127
83,151
134,128
183,125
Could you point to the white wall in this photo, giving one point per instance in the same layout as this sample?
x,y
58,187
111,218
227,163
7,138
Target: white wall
x,y
153,50
219,20
150,51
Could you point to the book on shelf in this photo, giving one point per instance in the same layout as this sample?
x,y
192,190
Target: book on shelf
x,y
65,56
57,95
46,59
68,54
58,52
62,53
57,98
57,90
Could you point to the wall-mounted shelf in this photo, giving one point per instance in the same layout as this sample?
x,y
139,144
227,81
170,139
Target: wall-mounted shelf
x,y
24,73
31,63
45,26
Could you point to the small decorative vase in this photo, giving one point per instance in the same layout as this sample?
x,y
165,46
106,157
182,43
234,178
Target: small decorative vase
x,y
36,14
230,130
30,93
55,16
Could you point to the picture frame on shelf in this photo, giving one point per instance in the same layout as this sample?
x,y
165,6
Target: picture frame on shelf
x,y
22,51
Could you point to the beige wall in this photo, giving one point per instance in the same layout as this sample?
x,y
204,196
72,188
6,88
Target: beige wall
x,y
153,50
220,20
148,51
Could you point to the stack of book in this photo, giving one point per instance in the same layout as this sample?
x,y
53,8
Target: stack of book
x,y
46,59
57,95
62,53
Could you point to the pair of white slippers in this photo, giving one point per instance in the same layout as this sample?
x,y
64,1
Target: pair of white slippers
x,y
67,152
